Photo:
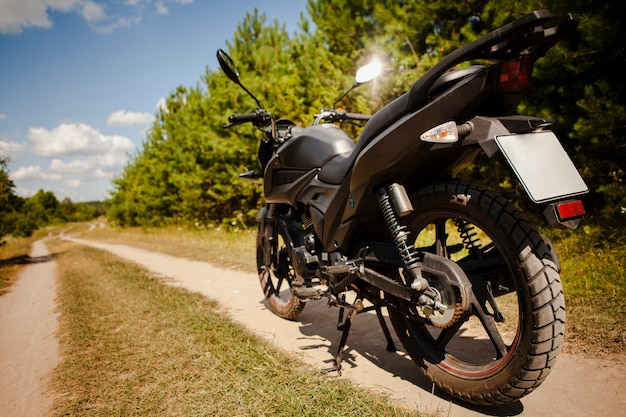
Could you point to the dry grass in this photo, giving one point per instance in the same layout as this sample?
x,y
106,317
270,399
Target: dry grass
x,y
594,283
133,346
220,247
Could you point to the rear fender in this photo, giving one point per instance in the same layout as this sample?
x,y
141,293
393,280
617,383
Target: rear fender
x,y
485,130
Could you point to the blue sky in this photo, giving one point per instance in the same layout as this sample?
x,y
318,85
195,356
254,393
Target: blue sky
x,y
80,80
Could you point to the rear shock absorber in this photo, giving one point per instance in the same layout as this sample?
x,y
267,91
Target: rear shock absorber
x,y
388,197
468,236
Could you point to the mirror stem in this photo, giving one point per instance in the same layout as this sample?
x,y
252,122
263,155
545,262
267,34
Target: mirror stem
x,y
250,94
345,94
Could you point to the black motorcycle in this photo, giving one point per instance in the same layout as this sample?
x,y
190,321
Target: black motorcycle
x,y
471,288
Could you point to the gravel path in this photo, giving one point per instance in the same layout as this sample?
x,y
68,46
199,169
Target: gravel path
x,y
28,350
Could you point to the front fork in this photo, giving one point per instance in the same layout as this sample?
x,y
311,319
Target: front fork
x,y
267,216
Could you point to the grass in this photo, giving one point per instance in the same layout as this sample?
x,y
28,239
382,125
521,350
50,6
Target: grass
x,y
233,250
594,283
132,346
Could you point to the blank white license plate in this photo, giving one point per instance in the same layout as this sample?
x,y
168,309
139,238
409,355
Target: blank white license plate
x,y
542,166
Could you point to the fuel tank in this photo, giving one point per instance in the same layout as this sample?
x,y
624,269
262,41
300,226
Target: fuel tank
x,y
299,160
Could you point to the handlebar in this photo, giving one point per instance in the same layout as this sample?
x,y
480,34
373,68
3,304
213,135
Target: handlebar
x,y
243,118
357,116
259,117
335,115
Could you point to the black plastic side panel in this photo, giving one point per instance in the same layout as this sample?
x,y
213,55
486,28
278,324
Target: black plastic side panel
x,y
398,155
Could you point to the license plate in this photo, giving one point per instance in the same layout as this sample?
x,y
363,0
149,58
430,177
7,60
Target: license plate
x,y
542,166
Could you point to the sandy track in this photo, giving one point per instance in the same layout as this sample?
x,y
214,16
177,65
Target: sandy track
x,y
28,344
577,386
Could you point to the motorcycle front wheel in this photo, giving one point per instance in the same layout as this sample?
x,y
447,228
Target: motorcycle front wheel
x,y
509,343
276,274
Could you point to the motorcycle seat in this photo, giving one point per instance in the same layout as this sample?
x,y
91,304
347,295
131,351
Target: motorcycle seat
x,y
336,169
393,111
450,78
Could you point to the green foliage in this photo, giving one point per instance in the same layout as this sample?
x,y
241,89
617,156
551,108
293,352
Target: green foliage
x,y
187,169
8,200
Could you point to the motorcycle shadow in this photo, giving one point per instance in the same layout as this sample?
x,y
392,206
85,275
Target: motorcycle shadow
x,y
318,322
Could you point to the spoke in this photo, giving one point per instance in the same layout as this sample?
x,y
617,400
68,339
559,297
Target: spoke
x,y
267,289
441,238
278,285
488,248
491,263
492,331
446,335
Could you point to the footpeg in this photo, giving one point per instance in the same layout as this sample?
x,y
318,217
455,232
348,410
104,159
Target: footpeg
x,y
311,293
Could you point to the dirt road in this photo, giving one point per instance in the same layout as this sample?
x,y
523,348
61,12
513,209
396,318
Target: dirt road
x,y
28,345
577,387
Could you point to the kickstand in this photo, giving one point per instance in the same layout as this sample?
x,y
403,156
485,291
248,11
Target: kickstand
x,y
345,329
391,347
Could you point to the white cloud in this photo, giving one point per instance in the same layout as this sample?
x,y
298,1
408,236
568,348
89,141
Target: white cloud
x,y
27,173
75,167
161,104
11,149
75,139
4,116
120,22
86,169
17,15
128,118
81,161
92,12
33,172
74,183
161,8
25,192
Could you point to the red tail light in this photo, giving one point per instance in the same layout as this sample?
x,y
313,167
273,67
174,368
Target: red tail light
x,y
564,214
570,209
515,75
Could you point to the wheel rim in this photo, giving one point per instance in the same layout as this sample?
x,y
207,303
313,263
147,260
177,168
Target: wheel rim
x,y
479,346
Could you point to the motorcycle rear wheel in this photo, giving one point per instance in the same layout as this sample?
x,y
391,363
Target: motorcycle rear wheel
x,y
277,277
481,359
